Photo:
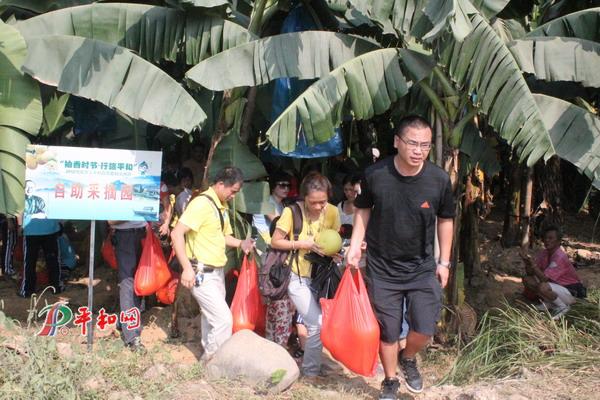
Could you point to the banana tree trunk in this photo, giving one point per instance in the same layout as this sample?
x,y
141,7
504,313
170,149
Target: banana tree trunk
x,y
248,114
527,191
469,243
549,179
217,137
512,216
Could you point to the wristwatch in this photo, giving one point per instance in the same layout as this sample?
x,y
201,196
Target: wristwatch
x,y
444,263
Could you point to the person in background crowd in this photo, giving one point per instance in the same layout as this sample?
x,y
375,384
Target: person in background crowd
x,y
404,199
199,241
317,215
279,183
351,185
279,312
9,228
39,233
196,163
127,240
186,181
168,186
551,276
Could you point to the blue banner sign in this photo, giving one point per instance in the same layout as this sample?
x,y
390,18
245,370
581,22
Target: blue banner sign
x,y
91,183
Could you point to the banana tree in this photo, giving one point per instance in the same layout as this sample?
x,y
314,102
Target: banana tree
x,y
476,75
20,117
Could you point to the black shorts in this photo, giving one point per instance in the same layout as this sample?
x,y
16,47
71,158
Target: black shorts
x,y
423,302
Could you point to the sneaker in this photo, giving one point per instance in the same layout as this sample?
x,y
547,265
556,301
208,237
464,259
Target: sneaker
x,y
559,312
412,376
389,389
136,346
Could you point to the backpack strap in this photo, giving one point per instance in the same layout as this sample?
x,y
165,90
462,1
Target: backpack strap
x,y
218,211
296,229
297,220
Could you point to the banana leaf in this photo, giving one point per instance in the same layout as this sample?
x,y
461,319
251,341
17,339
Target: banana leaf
x,y
479,150
232,152
53,113
20,115
483,66
253,198
43,6
113,76
12,161
20,102
154,33
557,59
303,55
582,24
366,85
406,15
575,134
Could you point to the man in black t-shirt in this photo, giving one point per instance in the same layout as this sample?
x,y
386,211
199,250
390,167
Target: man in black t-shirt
x,y
403,200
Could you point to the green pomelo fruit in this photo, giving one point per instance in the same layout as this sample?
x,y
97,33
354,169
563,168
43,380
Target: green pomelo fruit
x,y
330,241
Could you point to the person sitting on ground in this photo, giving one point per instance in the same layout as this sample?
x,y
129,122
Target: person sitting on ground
x,y
551,276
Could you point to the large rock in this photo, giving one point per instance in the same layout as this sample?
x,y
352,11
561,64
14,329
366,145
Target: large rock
x,y
256,361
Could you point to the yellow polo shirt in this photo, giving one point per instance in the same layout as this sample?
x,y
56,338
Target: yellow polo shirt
x,y
206,241
330,220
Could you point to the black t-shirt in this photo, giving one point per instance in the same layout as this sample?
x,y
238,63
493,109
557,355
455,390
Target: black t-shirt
x,y
401,229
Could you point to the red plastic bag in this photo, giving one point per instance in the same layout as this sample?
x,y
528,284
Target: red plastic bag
x,y
152,271
108,251
167,293
247,308
350,330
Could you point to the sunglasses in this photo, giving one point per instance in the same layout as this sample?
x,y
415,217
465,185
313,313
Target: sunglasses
x,y
283,184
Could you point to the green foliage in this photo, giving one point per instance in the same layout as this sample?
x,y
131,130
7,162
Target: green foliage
x,y
366,86
277,376
154,33
302,55
113,76
34,369
582,24
20,114
575,134
482,66
512,339
556,59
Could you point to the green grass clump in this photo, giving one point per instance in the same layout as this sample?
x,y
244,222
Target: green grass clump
x,y
32,368
511,339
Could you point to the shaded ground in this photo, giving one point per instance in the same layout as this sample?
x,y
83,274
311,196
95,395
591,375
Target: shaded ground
x,y
173,363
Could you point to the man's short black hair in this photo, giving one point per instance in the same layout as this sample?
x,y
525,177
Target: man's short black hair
x,y
169,178
229,176
183,173
412,121
552,228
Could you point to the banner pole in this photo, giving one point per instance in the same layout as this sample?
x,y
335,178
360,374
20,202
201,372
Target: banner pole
x,y
90,331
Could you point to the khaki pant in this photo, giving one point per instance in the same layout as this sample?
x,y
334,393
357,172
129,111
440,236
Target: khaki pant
x,y
216,319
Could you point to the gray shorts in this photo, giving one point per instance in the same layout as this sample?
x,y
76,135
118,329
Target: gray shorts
x,y
423,305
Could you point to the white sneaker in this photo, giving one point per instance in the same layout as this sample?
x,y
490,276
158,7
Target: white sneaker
x,y
559,312
541,306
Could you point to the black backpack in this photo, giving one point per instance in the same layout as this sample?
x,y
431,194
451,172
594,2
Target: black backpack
x,y
274,273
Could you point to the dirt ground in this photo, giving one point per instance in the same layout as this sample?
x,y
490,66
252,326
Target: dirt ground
x,y
500,282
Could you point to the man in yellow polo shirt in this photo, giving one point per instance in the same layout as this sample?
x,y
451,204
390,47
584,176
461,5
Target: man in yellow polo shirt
x,y
200,236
